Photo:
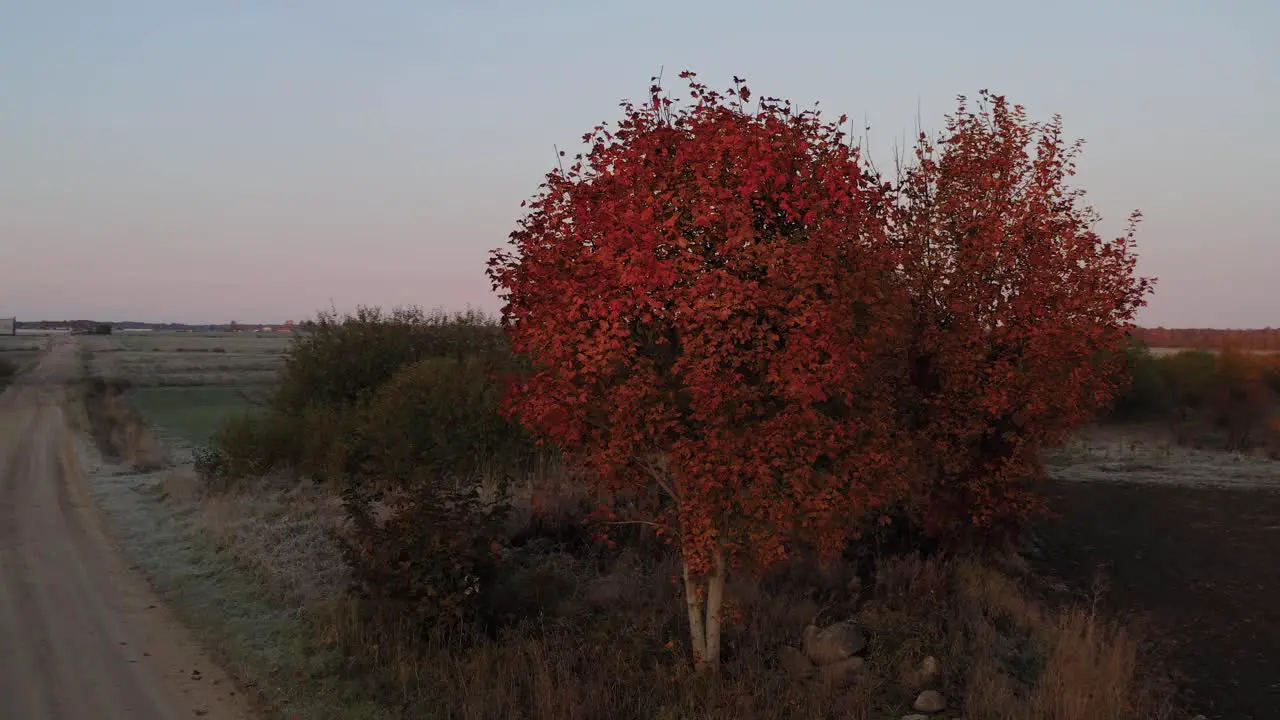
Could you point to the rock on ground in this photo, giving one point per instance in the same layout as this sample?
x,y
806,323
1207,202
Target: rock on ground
x,y
833,643
795,662
842,673
929,701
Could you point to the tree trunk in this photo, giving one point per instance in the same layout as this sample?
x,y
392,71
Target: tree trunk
x,y
715,600
704,599
697,628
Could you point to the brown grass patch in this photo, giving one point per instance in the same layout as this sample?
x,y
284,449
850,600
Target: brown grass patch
x,y
117,428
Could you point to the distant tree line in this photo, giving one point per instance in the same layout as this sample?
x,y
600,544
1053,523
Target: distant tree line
x,y
1264,339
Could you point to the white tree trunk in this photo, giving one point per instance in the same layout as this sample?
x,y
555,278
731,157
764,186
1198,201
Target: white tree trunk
x,y
715,600
697,629
704,614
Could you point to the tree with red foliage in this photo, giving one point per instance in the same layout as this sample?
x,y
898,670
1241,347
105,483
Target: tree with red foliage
x,y
728,305
1018,312
708,300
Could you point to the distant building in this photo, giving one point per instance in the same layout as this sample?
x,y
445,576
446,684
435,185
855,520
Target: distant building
x,y
8,326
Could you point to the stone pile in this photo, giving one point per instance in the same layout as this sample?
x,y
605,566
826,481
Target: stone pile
x,y
834,655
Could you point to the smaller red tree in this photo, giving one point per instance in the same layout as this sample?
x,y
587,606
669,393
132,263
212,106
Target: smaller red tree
x,y
709,304
1019,312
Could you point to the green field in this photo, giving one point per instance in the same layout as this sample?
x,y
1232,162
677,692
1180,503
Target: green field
x,y
186,385
194,413
19,352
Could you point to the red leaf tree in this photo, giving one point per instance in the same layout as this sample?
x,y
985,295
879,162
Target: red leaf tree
x,y
726,305
709,302
1018,312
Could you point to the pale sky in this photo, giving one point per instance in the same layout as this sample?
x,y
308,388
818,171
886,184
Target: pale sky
x,y
251,160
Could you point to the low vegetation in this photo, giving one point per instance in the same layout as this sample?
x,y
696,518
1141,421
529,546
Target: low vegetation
x,y
1255,340
7,372
118,429
17,353
1228,399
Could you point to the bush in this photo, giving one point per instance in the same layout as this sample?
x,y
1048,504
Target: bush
x,y
400,410
7,371
1228,397
1012,339
428,562
1190,376
426,489
246,445
335,367
1147,395
211,464
340,360
440,415
1241,401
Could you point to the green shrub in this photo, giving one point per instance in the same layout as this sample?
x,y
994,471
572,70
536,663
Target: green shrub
x,y
322,440
1228,399
440,415
1190,376
1241,401
431,454
249,444
334,366
338,361
1271,376
1146,395
400,410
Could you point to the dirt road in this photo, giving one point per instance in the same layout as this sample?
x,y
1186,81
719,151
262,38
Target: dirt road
x,y
81,636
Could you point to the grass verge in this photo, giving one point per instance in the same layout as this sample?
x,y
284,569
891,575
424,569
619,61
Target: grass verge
x,y
268,645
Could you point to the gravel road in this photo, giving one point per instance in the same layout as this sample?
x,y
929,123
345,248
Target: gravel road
x,y
81,636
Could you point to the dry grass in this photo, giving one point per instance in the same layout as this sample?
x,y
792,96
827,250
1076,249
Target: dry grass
x,y
1042,664
118,429
18,353
584,632
279,532
1152,454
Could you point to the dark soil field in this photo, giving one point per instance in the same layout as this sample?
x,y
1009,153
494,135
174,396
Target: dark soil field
x,y
1201,564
